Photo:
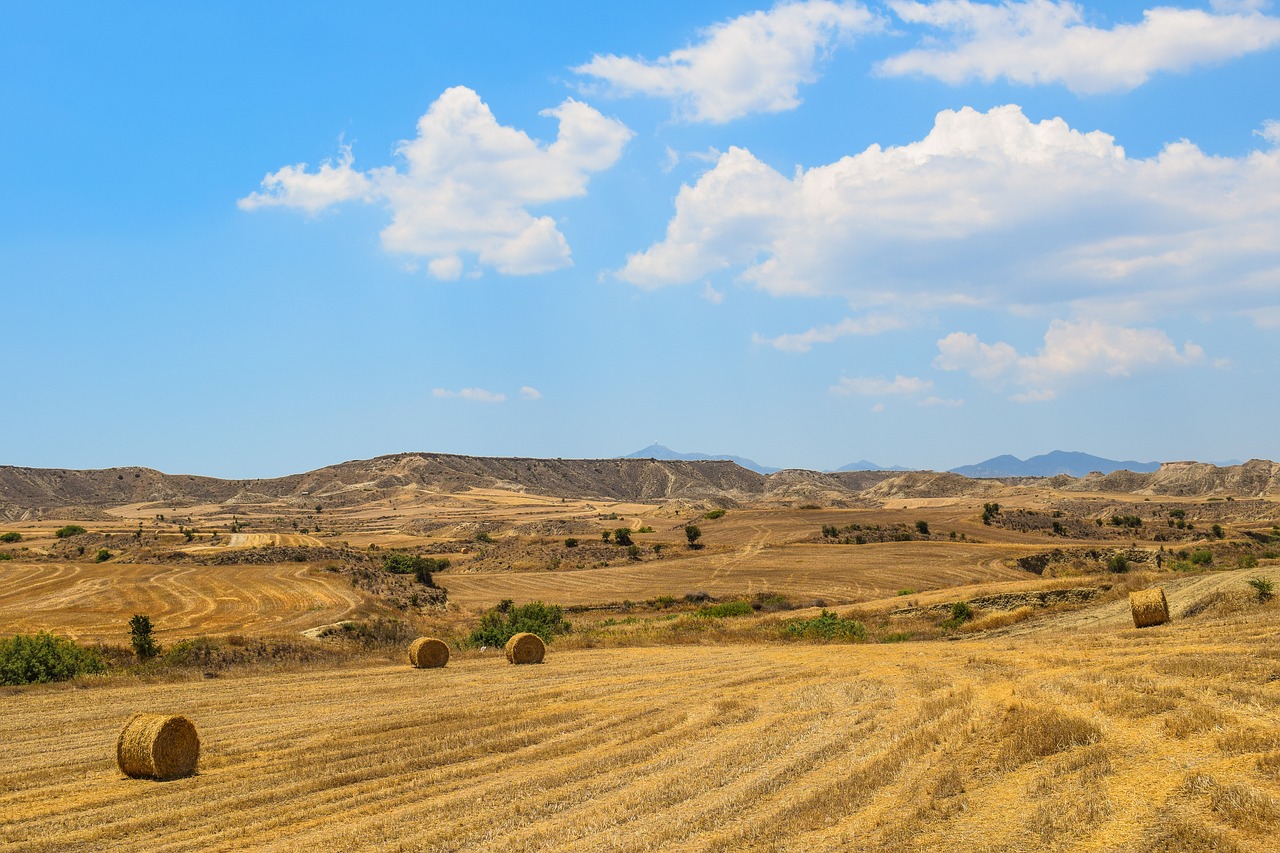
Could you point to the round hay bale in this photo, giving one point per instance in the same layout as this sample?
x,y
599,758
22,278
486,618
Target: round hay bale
x,y
526,648
1149,607
428,653
158,746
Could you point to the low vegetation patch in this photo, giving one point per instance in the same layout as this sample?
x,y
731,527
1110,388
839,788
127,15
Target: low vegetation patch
x,y
41,658
827,626
725,609
508,619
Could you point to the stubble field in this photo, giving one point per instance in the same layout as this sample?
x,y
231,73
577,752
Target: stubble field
x,y
1064,730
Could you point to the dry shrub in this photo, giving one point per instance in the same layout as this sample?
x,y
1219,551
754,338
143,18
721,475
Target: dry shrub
x,y
158,746
428,653
1149,607
999,619
1029,732
525,648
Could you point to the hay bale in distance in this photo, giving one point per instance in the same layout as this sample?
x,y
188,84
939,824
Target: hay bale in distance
x,y
1149,607
158,746
428,653
526,648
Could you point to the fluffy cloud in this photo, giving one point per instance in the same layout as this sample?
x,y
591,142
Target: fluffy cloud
x,y
751,64
529,393
988,209
873,324
466,185
1042,41
877,387
1071,350
475,395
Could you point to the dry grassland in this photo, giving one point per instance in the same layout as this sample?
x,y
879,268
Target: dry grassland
x,y
1162,739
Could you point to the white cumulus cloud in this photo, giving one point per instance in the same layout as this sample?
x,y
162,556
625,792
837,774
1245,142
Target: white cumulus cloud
x,y
466,185
475,395
988,209
1071,350
878,386
1052,41
751,64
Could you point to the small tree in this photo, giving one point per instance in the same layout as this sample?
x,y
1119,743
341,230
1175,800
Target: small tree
x,y
1261,588
922,527
144,645
693,533
622,536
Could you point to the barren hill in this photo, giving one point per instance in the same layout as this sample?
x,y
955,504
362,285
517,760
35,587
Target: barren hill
x,y
30,492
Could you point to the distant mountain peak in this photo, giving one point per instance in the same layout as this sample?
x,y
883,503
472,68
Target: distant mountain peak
x,y
658,451
866,465
1070,462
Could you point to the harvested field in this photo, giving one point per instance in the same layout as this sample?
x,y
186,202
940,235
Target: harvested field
x,y
1014,744
835,573
93,601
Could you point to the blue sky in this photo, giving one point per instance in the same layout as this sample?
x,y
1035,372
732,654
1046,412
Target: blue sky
x,y
246,239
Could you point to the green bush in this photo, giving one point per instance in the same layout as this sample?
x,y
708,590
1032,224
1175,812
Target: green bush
x,y
922,527
1217,531
41,658
10,537
1248,561
692,532
508,619
724,609
826,626
400,563
622,536
571,542
144,645
1262,588
69,530
1203,557
5,555
483,536
102,556
1118,563
961,613
714,514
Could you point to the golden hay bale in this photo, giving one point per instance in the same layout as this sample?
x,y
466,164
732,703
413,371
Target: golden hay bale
x,y
428,653
1149,607
158,746
525,648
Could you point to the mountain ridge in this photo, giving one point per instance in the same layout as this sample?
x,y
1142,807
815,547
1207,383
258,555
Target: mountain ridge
x,y
31,492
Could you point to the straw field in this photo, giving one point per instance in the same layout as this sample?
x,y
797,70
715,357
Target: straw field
x,y
93,601
1166,738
